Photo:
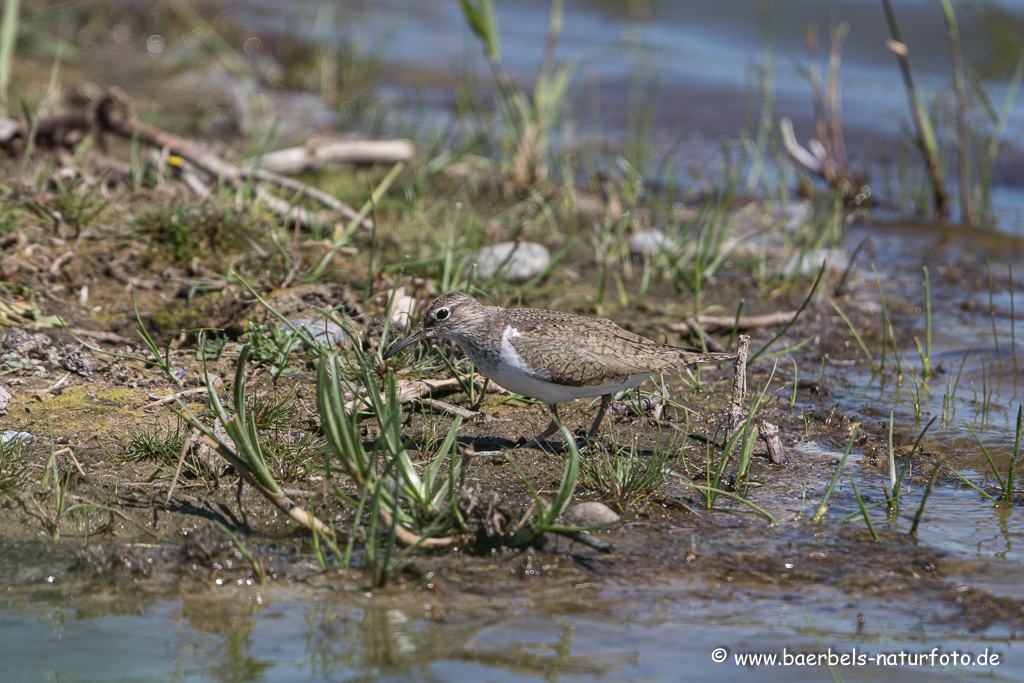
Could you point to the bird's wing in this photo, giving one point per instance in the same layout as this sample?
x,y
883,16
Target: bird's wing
x,y
558,356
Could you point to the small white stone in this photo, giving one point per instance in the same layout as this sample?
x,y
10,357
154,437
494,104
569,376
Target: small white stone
x,y
323,331
12,437
809,262
514,261
651,243
590,513
403,308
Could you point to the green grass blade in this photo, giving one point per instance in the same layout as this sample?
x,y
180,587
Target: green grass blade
x,y
823,507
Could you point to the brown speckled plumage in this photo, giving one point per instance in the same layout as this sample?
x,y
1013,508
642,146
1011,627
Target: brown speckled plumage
x,y
550,355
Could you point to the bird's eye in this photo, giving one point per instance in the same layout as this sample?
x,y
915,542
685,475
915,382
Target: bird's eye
x,y
441,314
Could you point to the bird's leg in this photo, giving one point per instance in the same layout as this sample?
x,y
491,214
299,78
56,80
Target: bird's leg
x,y
548,431
606,402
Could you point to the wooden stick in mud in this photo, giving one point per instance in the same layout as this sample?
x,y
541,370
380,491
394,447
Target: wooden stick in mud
x,y
458,411
318,152
739,386
721,323
770,433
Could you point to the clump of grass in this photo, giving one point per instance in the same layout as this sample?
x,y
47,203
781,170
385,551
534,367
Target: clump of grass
x,y
530,123
290,450
184,229
13,470
622,476
173,230
289,453
292,454
75,203
162,444
271,412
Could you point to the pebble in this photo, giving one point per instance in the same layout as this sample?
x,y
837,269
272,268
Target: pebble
x,y
403,307
10,437
809,262
5,400
323,331
651,243
587,514
515,261
78,363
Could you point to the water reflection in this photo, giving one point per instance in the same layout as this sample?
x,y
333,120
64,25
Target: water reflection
x,y
651,633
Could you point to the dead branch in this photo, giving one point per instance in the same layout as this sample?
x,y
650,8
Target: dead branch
x,y
57,385
770,433
410,390
60,262
725,323
171,398
696,330
319,152
458,411
117,272
800,155
112,114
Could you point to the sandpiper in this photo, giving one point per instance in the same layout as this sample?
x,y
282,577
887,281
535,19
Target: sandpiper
x,y
549,355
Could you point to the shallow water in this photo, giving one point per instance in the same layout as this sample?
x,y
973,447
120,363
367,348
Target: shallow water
x,y
621,633
698,61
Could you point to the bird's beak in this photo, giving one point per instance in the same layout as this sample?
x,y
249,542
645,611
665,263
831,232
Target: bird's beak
x,y
417,335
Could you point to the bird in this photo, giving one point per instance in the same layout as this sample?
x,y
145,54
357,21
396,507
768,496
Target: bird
x,y
550,356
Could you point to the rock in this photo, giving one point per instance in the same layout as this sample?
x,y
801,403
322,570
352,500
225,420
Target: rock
x,y
77,363
651,243
9,129
587,514
403,307
10,437
298,303
512,261
5,400
18,343
323,331
809,262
